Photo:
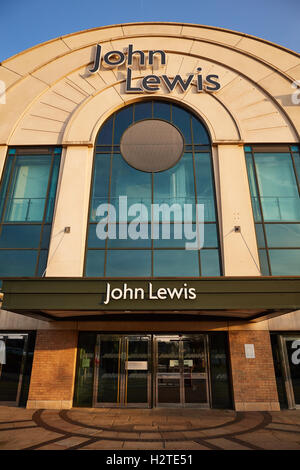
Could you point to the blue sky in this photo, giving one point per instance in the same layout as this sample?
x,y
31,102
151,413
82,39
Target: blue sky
x,y
25,23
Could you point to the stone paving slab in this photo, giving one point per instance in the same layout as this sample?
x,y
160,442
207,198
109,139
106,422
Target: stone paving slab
x,y
152,429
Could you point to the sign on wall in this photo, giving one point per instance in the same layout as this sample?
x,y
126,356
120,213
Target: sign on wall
x,y
152,83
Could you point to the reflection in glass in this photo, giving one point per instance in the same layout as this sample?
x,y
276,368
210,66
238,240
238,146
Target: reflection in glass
x,y
176,262
18,262
209,262
28,189
10,371
20,236
264,266
204,185
176,186
285,262
278,187
137,380
128,263
127,181
293,352
95,263
283,235
109,371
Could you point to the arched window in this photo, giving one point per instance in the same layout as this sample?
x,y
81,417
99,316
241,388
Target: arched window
x,y
152,153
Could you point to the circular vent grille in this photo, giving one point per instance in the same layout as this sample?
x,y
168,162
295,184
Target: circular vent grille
x,y
152,145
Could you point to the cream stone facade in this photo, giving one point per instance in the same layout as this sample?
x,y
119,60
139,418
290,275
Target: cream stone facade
x,y
52,99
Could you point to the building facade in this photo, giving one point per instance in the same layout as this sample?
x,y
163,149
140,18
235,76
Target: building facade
x,y
150,220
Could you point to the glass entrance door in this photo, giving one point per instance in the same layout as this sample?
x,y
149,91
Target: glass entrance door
x,y
122,371
181,371
291,368
13,348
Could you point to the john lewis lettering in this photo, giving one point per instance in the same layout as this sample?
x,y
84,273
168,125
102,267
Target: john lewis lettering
x,y
152,83
138,293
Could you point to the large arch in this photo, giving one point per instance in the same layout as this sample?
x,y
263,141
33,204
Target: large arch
x,y
51,99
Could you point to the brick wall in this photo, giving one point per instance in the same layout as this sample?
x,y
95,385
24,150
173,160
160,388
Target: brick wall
x,y
53,370
254,384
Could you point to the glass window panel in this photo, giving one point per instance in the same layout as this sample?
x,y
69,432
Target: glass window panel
x,y
95,263
100,183
4,186
175,263
176,186
278,189
20,236
247,148
143,111
210,236
28,189
182,120
105,135
260,235
162,110
264,267
219,370
128,263
253,188
52,189
18,262
123,120
297,164
135,185
295,148
83,394
173,231
210,263
200,135
93,240
42,263
109,371
132,230
285,262
204,184
283,235
46,236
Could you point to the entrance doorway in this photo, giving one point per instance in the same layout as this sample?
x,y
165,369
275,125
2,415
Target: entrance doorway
x,y
145,371
122,371
290,348
13,350
181,371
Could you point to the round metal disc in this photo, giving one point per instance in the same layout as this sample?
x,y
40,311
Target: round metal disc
x,y
152,145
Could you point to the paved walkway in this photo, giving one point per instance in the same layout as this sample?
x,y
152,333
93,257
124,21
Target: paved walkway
x,y
184,429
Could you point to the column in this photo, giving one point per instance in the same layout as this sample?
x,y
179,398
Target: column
x,y
53,370
253,379
239,248
66,252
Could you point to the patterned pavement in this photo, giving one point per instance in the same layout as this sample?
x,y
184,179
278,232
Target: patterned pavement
x,y
158,429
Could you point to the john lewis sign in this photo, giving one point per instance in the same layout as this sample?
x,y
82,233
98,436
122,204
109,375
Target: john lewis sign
x,y
152,83
139,293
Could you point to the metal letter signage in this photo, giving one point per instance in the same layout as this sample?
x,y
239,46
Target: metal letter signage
x,y
152,83
129,293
